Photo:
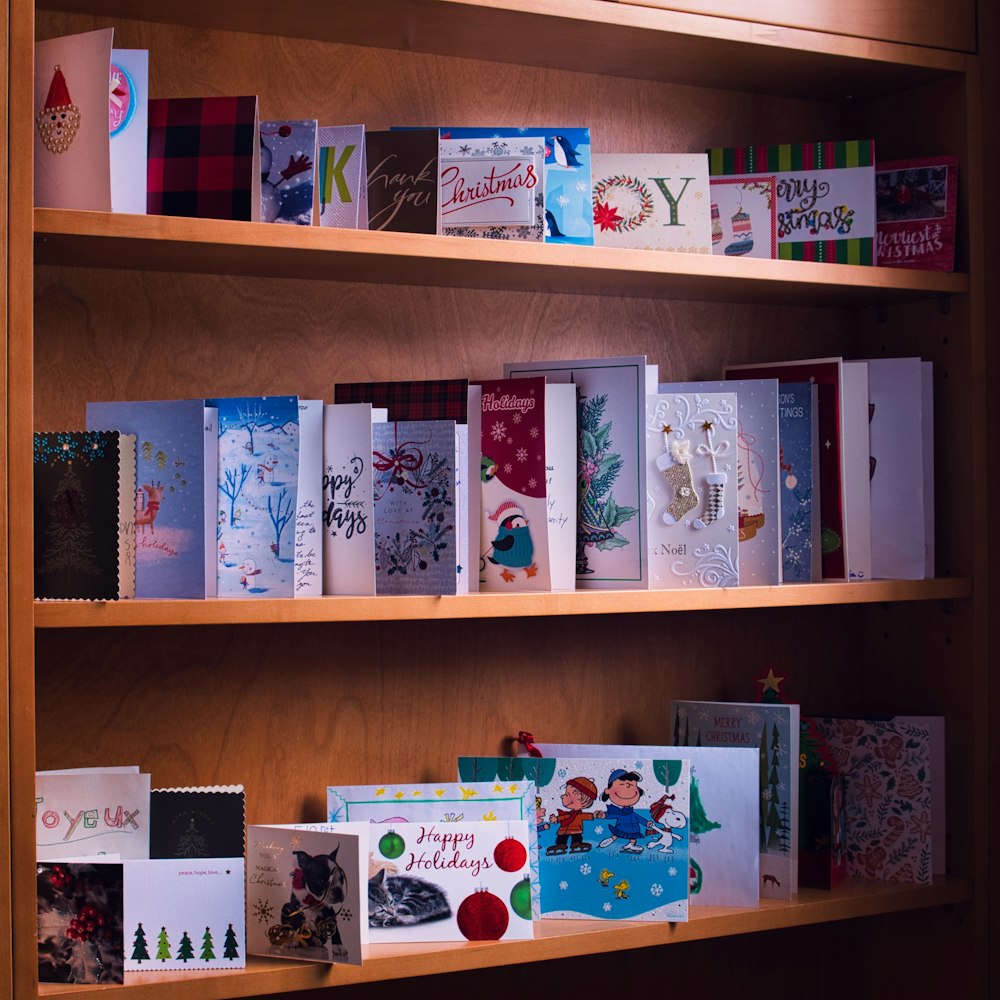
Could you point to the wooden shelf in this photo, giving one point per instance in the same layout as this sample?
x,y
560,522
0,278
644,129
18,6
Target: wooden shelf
x,y
553,939
211,246
237,611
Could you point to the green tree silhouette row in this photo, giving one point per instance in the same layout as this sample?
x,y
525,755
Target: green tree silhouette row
x,y
185,951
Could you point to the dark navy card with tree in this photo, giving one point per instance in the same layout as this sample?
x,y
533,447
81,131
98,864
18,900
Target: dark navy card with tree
x,y
197,822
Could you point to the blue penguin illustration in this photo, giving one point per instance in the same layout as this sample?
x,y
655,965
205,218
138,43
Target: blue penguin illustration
x,y
512,547
552,231
563,151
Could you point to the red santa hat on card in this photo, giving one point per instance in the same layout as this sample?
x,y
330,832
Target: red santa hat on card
x,y
58,92
503,508
59,119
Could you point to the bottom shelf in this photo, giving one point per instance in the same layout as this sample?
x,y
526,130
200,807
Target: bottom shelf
x,y
553,939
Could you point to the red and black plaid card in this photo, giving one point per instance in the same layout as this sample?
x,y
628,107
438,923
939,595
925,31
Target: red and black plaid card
x,y
435,399
204,158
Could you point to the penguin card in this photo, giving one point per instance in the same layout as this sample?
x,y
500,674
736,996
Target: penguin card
x,y
287,171
343,190
745,216
692,476
128,109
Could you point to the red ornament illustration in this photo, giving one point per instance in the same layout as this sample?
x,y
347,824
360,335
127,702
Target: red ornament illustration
x,y
483,916
510,855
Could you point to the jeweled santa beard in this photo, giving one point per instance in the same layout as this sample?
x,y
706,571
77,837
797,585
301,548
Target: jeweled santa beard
x,y
58,128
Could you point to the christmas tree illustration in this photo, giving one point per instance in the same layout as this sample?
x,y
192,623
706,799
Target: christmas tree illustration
x,y
764,789
773,817
69,535
162,945
207,954
231,951
139,951
191,844
186,950
700,823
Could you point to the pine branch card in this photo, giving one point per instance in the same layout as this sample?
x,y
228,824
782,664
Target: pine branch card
x,y
745,216
288,171
84,537
258,469
193,823
402,180
429,399
825,196
343,187
652,201
692,477
799,437
128,111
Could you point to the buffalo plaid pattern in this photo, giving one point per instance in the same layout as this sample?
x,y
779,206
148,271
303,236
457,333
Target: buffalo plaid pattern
x,y
436,399
201,157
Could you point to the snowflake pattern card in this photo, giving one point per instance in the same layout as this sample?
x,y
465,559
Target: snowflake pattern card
x,y
343,188
128,114
692,477
800,530
80,913
304,897
84,536
72,151
258,470
652,201
175,493
413,472
194,823
402,180
773,730
288,171
744,216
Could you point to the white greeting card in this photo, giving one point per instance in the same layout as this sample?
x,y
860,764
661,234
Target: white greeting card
x,y
857,469
309,510
927,443
560,475
128,109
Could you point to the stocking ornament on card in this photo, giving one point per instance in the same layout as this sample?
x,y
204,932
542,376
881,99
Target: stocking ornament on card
x,y
675,464
715,504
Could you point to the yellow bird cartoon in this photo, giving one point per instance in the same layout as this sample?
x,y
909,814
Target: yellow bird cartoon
x,y
605,877
621,890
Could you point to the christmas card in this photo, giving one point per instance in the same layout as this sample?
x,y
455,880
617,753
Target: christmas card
x,y
431,399
611,406
402,180
175,492
258,470
72,151
343,188
856,415
204,158
84,490
80,912
288,171
798,480
825,196
773,730
206,822
465,492
413,472
128,110
692,475
915,203
309,506
822,813
745,216
304,897
614,845
652,201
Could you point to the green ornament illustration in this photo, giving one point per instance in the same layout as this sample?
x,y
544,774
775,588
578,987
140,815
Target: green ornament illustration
x,y
520,898
391,845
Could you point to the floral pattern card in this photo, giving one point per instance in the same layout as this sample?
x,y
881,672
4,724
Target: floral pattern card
x,y
692,476
652,201
192,823
258,470
128,113
800,528
288,171
744,216
413,470
343,189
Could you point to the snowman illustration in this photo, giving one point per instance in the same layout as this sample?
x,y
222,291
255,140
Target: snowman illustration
x,y
288,198
249,569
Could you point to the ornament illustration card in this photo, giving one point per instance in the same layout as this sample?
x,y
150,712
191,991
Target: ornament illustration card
x,y
343,187
773,730
652,201
304,899
197,823
185,914
128,111
430,399
757,473
84,488
413,474
800,529
825,196
692,477
175,494
80,913
915,203
745,216
611,413
402,180
72,151
258,474
204,158
856,415
309,501
288,171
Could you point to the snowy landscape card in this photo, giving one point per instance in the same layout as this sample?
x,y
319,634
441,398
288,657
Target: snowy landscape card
x,y
402,180
855,418
175,494
72,149
84,524
797,482
343,188
309,501
304,900
773,731
80,913
652,201
185,914
288,171
412,399
413,477
692,478
745,216
128,111
206,822
611,416
258,470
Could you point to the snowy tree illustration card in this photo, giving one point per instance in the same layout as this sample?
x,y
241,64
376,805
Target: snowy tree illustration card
x,y
773,731
343,188
72,149
207,822
799,436
744,216
84,489
288,171
175,494
652,201
257,477
403,180
128,109
611,413
692,478
413,473
185,914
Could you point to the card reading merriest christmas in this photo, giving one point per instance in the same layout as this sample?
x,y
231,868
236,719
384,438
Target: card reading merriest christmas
x,y
691,504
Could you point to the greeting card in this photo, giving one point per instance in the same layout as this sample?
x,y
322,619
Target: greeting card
x,y
800,527
856,415
822,812
692,477
84,488
192,823
744,216
652,201
128,113
402,180
175,492
309,501
288,171
430,399
343,187
773,730
258,472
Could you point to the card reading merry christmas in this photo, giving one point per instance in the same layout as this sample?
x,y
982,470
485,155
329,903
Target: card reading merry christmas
x,y
128,111
744,216
288,171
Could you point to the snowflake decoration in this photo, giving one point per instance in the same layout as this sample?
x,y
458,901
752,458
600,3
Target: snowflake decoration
x,y
516,418
562,772
532,483
672,871
585,869
262,911
581,186
508,468
562,200
598,830
656,889
534,432
346,915
499,430
564,885
522,454
607,907
510,440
